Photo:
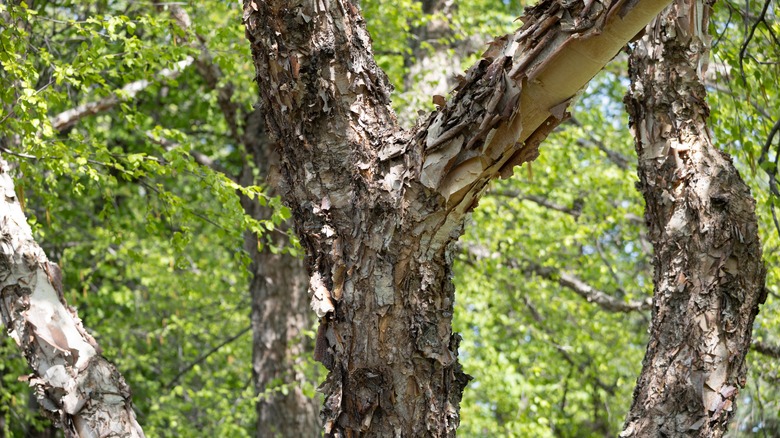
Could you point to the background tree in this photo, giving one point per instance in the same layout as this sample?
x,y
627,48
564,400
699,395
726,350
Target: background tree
x,y
145,198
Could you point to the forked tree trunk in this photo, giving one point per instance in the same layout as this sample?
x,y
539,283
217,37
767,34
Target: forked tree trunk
x,y
709,276
377,208
280,310
74,384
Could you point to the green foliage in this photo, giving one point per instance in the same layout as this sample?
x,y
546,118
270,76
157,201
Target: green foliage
x,y
546,362
398,44
150,241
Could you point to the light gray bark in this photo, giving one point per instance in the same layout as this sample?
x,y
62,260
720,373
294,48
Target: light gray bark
x,y
74,384
709,276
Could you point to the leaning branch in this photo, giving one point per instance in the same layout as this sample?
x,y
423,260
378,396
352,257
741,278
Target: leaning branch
x,y
567,280
620,160
208,70
519,92
74,384
68,118
205,356
575,210
581,366
769,350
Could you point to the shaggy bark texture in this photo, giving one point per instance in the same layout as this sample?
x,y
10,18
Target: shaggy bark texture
x,y
709,276
78,388
377,208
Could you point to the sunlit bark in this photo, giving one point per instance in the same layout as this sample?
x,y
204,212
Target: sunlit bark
x,y
74,384
709,276
377,208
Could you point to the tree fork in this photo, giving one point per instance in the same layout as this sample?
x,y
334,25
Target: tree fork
x,y
377,208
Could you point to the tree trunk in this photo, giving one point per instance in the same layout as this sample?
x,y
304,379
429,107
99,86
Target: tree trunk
x,y
280,311
74,384
377,208
709,277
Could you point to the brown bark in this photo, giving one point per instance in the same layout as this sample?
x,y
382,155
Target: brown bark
x,y
377,208
280,311
709,277
74,384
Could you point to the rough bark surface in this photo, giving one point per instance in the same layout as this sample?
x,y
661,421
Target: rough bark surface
x,y
377,208
709,276
74,384
280,311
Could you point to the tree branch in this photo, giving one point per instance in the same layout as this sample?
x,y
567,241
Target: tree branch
x,y
199,157
567,280
209,71
769,350
502,112
575,210
68,118
205,356
610,389
615,157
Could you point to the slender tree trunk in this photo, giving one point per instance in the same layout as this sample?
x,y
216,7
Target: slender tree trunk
x,y
377,208
280,311
709,276
74,384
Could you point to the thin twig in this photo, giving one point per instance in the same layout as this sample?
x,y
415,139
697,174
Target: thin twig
x,y
768,350
206,356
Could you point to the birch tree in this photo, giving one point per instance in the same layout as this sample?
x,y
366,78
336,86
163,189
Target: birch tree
x,y
74,383
709,275
378,208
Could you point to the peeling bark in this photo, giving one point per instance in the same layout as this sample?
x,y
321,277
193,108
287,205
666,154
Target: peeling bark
x,y
74,384
377,208
709,277
279,308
